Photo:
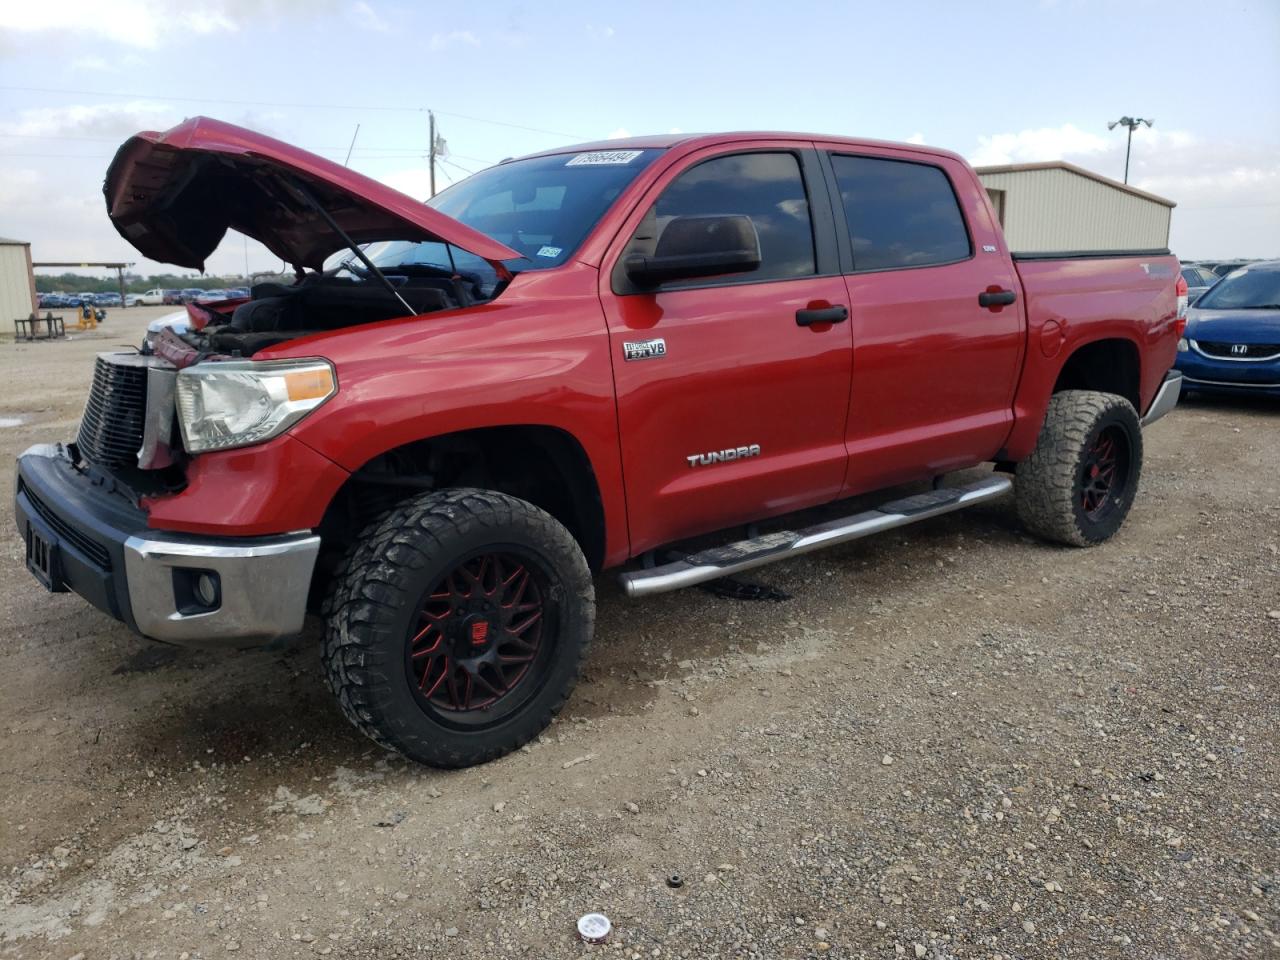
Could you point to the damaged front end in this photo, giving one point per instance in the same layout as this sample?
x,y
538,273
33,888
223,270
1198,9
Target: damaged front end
x,y
357,250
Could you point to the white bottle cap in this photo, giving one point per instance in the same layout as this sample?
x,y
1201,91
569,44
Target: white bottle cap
x,y
594,927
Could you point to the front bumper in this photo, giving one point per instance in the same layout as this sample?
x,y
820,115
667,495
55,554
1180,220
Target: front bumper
x,y
94,542
1223,375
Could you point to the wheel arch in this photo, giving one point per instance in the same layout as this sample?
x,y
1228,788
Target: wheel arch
x,y
1111,364
545,465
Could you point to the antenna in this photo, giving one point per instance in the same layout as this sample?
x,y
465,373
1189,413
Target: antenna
x,y
347,162
431,150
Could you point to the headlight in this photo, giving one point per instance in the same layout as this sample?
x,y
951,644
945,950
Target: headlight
x,y
1183,346
239,402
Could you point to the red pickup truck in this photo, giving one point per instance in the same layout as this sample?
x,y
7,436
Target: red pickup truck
x,y
461,410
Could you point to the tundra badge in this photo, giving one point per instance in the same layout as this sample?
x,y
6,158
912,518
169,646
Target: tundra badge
x,y
723,456
644,349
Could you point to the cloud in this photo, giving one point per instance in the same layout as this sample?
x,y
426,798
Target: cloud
x,y
1045,143
59,207
1228,192
102,120
621,133
90,63
454,38
601,33
368,18
916,138
112,123
145,23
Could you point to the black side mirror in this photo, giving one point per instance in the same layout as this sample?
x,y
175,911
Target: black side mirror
x,y
693,247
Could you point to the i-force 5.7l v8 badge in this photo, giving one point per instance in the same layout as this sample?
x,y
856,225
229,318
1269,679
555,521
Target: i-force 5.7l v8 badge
x,y
644,349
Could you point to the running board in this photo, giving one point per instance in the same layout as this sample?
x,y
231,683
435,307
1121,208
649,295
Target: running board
x,y
747,554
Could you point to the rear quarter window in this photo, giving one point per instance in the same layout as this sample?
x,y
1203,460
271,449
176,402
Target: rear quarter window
x,y
900,213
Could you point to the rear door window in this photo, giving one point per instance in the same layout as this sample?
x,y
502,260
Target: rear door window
x,y
900,213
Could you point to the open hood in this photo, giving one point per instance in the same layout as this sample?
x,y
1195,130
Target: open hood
x,y
173,195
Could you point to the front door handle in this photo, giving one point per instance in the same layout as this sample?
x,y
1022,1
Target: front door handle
x,y
807,318
996,298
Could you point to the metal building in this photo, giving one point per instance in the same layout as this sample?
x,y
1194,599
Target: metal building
x,y
1058,206
17,281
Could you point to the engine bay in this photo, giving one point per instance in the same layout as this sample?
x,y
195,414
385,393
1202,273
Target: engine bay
x,y
321,302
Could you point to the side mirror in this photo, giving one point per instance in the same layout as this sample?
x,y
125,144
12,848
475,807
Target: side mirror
x,y
693,247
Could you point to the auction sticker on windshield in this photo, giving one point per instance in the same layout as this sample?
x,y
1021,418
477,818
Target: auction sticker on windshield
x,y
603,157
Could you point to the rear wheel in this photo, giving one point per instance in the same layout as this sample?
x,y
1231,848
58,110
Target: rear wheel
x,y
457,626
1078,485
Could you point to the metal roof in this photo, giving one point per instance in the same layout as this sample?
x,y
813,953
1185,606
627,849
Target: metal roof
x,y
1078,171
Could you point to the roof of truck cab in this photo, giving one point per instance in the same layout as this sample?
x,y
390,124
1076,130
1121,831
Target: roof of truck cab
x,y
665,141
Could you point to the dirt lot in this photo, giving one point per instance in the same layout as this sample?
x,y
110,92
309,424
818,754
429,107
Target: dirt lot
x,y
954,741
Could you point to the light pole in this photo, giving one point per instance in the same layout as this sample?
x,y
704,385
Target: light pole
x,y
1131,123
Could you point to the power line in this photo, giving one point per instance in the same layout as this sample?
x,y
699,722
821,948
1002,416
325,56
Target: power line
x,y
514,126
456,166
1229,206
386,108
463,156
393,151
333,155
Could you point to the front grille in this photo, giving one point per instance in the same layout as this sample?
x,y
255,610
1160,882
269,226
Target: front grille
x,y
67,533
1239,351
111,431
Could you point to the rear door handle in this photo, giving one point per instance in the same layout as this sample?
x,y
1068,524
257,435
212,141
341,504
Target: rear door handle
x,y
807,318
997,298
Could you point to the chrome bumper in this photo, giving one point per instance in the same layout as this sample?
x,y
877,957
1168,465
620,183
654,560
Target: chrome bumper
x,y
263,586
95,543
1166,397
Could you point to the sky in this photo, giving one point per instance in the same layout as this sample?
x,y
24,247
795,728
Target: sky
x,y
999,82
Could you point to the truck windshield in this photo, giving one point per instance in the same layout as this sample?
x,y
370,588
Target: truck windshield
x,y
1245,289
543,207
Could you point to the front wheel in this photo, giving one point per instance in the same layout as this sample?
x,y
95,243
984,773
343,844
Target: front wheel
x,y
1079,483
457,626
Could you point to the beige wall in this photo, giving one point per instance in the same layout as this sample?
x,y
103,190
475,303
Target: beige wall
x,y
15,284
1048,210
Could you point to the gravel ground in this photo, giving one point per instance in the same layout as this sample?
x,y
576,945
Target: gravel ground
x,y
954,741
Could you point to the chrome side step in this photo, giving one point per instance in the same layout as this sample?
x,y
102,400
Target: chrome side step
x,y
746,554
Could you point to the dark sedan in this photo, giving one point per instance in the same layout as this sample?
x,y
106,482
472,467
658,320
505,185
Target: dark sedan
x,y
1232,342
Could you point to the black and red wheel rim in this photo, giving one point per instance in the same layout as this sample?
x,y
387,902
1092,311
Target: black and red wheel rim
x,y
482,638
1105,472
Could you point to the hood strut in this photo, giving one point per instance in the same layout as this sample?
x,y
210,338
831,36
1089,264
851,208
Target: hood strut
x,y
351,244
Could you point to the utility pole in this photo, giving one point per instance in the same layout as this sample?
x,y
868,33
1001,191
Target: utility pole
x,y
1131,123
431,133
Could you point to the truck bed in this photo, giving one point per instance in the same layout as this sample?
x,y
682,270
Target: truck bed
x,y
1078,297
